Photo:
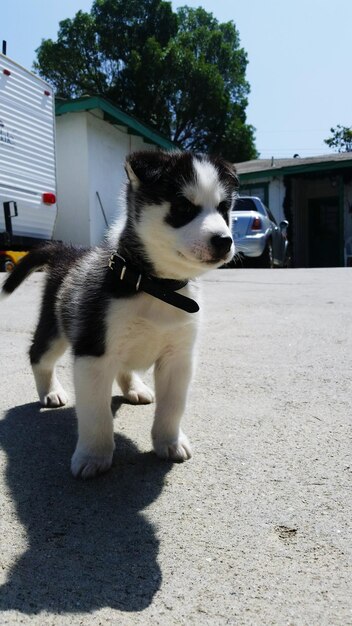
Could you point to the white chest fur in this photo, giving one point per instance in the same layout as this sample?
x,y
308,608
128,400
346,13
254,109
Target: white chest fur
x,y
143,328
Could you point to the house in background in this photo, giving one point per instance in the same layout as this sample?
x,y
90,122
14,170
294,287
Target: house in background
x,y
93,138
315,196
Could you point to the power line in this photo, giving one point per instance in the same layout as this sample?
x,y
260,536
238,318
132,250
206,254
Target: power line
x,y
294,130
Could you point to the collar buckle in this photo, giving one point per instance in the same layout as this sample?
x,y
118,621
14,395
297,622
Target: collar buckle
x,y
112,262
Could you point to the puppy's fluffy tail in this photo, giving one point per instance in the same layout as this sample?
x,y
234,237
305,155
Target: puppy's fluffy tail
x,y
37,258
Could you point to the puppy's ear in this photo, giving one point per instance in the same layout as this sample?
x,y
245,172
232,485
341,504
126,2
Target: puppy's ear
x,y
134,180
228,171
146,167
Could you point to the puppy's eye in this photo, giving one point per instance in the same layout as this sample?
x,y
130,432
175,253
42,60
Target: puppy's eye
x,y
182,212
188,207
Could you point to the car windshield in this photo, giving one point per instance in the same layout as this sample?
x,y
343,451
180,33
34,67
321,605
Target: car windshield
x,y
244,204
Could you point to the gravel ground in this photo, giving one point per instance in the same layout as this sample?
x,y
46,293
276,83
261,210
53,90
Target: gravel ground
x,y
254,530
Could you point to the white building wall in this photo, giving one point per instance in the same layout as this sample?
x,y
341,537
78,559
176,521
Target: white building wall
x,y
107,149
90,154
72,225
137,143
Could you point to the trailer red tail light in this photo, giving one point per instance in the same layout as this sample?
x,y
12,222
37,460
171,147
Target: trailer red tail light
x,y
6,72
46,93
49,198
256,224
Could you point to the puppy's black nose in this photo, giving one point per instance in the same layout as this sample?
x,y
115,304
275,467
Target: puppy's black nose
x,y
221,244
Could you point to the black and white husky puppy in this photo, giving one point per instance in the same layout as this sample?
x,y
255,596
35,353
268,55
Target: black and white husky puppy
x,y
129,304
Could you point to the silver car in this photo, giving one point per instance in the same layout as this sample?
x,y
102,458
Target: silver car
x,y
257,236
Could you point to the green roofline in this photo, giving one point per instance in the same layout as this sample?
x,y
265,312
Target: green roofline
x,y
116,116
296,169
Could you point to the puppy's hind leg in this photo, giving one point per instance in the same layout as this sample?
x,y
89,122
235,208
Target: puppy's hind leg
x,y
44,352
134,389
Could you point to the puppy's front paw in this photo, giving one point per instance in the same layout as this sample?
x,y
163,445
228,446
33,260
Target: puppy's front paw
x,y
54,399
86,465
175,450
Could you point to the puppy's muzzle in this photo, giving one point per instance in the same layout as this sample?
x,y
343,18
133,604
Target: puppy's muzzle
x,y
221,245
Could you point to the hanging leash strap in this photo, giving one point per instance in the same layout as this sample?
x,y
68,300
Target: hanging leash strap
x,y
164,289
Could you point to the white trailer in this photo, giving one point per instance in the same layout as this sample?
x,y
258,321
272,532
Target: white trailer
x,y
27,157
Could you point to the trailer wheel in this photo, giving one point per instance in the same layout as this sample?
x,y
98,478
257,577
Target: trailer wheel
x,y
7,264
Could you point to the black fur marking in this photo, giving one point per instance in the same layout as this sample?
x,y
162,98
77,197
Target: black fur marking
x,y
59,259
182,212
224,210
170,172
91,338
148,166
132,249
84,304
47,329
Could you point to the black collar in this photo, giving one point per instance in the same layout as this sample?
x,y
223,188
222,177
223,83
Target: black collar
x,y
162,288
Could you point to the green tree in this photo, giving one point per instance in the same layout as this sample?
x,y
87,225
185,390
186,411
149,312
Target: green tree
x,y
341,139
183,73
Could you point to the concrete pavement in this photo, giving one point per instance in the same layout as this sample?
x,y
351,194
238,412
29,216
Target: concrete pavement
x,y
254,530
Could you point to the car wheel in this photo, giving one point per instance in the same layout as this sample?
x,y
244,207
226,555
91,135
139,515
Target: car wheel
x,y
267,258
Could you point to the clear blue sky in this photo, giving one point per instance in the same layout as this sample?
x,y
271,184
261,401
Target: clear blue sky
x,y
299,55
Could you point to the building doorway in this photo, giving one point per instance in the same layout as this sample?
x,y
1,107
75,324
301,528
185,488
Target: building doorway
x,y
324,232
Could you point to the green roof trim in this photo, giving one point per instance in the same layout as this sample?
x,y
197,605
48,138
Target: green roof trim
x,y
115,116
326,166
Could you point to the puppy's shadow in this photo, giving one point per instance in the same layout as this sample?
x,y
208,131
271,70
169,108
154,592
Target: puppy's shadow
x,y
89,545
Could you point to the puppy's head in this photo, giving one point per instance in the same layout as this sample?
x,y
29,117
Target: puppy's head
x,y
180,204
